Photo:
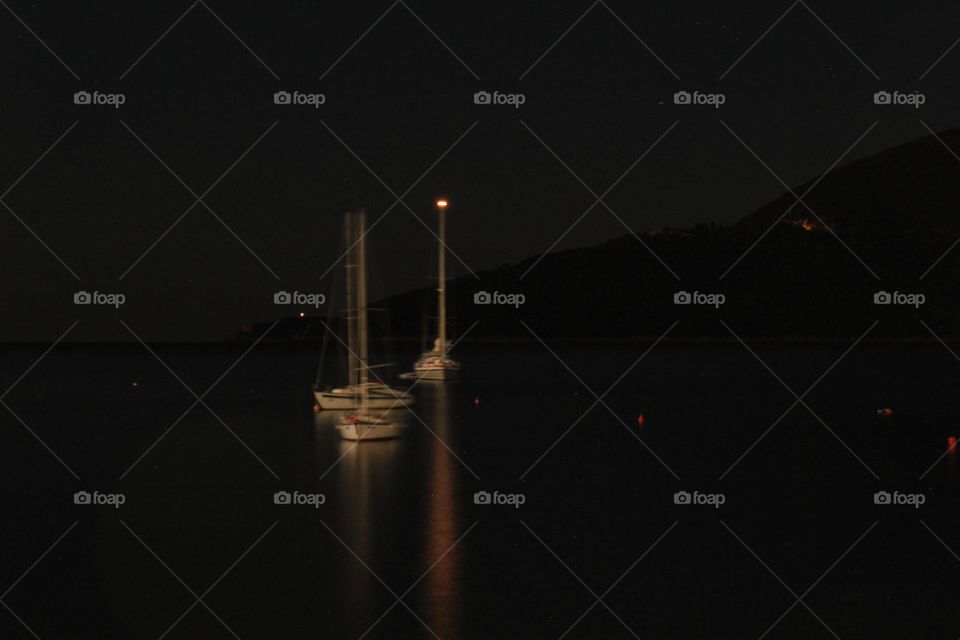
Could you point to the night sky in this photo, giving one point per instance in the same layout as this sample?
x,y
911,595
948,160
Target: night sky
x,y
199,120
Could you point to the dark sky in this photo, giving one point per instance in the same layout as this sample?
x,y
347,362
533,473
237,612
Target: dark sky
x,y
398,99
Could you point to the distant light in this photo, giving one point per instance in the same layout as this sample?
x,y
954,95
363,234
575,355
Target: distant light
x,y
301,314
442,204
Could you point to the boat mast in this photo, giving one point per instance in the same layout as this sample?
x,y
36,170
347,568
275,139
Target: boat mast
x,y
362,305
353,365
442,279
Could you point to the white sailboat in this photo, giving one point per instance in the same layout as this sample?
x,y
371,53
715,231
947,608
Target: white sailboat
x,y
437,364
350,396
362,424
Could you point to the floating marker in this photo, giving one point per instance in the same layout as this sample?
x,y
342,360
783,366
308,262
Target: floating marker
x,y
952,444
640,420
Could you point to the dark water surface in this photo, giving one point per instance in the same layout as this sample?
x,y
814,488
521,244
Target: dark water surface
x,y
400,550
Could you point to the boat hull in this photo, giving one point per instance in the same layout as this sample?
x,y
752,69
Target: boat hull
x,y
380,397
361,431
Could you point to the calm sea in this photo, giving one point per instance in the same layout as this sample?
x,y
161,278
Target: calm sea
x,y
582,536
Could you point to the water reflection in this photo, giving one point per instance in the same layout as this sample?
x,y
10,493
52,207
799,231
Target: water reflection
x,y
362,486
443,583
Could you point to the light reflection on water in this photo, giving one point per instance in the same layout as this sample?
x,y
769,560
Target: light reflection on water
x,y
366,481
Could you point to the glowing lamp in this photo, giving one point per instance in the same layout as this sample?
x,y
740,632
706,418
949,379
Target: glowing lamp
x,y
442,204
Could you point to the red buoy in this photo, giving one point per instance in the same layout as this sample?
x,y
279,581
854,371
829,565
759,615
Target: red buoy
x,y
952,444
640,420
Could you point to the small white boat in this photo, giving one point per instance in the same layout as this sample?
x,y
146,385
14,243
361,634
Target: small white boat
x,y
437,364
434,365
369,428
381,396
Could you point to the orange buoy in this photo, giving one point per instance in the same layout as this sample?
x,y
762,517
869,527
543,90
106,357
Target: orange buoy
x,y
952,444
640,420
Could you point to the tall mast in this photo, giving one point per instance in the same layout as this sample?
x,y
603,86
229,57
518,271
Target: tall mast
x,y
362,299
442,278
352,364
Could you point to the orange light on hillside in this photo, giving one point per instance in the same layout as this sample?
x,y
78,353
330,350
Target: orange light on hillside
x,y
442,204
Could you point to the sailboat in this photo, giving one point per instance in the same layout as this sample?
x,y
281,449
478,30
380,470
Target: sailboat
x,y
362,424
378,395
437,364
